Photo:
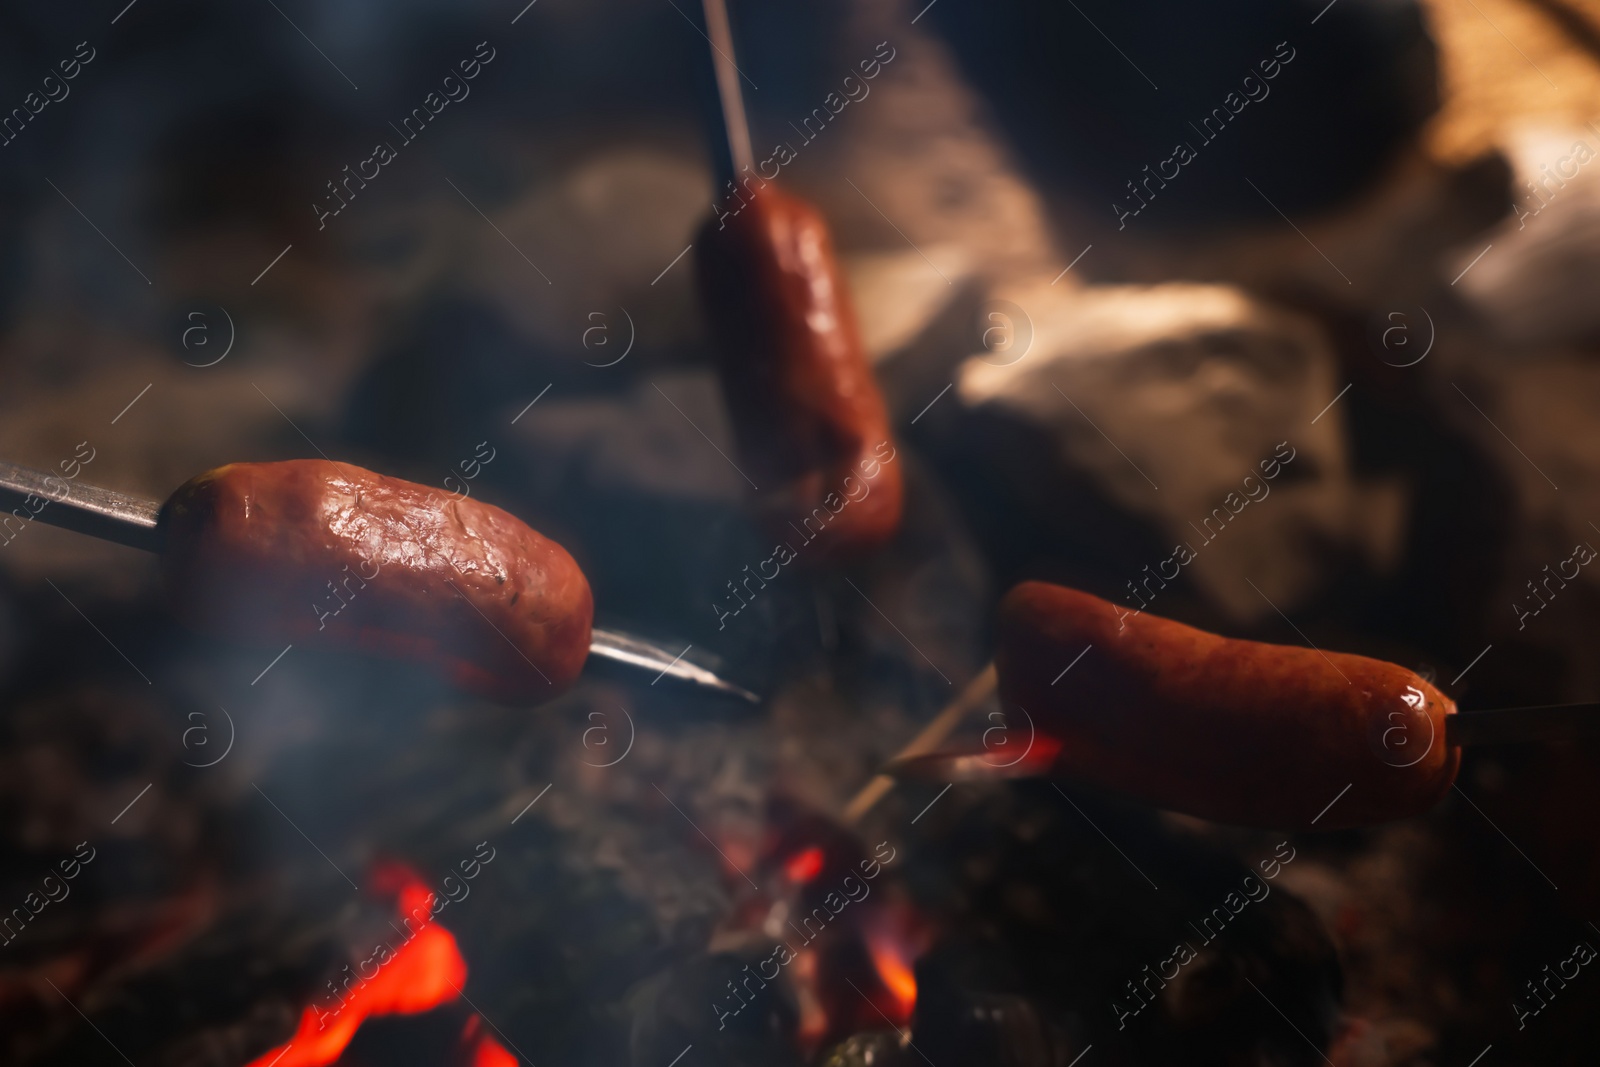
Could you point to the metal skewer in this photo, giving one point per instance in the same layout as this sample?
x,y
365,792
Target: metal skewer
x,y
71,505
735,127
32,495
640,654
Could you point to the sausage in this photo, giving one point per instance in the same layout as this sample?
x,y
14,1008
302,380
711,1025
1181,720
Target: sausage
x,y
811,425
275,552
1235,731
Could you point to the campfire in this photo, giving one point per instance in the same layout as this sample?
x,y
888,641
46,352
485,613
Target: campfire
x,y
518,547
424,972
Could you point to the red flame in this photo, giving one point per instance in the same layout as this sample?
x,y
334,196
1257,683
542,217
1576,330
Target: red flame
x,y
422,973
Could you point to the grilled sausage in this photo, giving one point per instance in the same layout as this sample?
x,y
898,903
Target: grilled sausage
x,y
272,552
1235,731
812,428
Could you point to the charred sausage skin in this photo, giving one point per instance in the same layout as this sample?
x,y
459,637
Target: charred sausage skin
x,y
1236,731
809,419
263,551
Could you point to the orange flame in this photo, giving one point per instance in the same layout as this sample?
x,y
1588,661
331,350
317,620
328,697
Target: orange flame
x,y
422,973
894,969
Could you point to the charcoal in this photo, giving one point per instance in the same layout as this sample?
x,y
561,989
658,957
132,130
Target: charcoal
x,y
680,1007
876,1049
988,1028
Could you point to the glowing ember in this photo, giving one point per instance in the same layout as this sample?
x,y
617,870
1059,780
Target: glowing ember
x,y
421,973
804,866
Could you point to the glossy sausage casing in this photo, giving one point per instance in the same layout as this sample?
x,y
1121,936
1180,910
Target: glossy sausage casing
x,y
812,428
270,552
1236,731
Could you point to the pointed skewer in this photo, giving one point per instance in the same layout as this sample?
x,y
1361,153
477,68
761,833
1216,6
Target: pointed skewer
x,y
134,521
637,653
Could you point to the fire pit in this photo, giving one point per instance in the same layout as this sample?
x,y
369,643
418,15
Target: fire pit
x,y
471,273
